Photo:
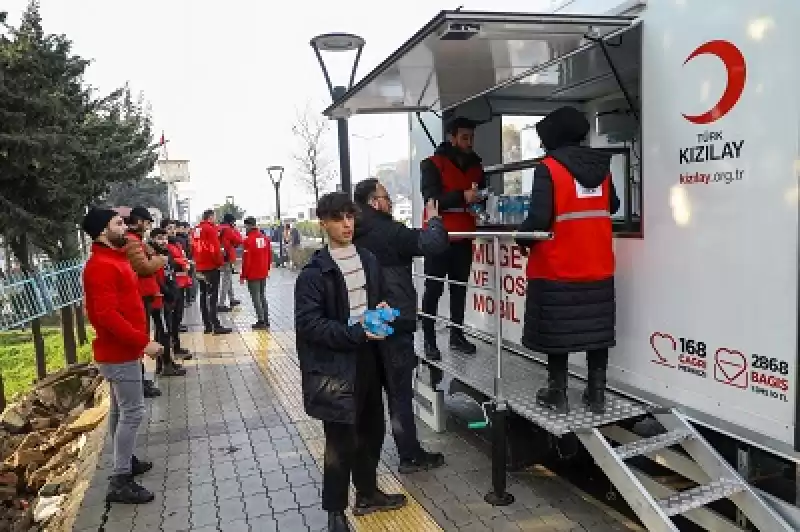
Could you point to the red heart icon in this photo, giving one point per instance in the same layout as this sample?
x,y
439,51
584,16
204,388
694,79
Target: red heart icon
x,y
730,367
661,359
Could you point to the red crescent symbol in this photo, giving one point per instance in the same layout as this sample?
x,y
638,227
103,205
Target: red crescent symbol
x,y
735,65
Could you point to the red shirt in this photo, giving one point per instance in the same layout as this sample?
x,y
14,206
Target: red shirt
x,y
231,239
182,278
114,306
256,256
206,248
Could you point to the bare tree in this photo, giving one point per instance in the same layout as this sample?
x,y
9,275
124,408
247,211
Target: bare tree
x,y
311,159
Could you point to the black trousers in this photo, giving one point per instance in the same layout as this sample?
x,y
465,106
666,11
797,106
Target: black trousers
x,y
175,319
209,298
160,319
354,449
400,395
455,264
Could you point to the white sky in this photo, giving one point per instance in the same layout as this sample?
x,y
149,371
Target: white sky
x,y
225,78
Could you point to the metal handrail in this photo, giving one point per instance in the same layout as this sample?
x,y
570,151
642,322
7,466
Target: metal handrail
x,y
496,287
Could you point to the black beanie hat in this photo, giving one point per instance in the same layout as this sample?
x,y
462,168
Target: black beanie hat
x,y
96,220
229,218
141,213
563,127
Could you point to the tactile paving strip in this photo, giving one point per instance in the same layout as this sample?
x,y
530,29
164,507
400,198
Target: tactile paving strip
x,y
283,375
521,379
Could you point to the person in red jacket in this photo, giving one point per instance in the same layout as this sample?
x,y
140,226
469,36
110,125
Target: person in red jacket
x,y
208,259
230,238
117,314
182,268
256,259
145,263
163,307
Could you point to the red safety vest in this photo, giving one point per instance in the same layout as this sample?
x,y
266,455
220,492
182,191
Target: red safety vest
x,y
582,245
453,178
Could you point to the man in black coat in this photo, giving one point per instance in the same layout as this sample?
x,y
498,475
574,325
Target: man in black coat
x,y
340,364
395,246
567,312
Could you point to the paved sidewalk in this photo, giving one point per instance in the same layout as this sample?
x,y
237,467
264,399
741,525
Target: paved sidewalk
x,y
234,451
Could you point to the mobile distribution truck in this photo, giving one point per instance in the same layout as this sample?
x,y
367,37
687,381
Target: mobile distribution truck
x,y
698,102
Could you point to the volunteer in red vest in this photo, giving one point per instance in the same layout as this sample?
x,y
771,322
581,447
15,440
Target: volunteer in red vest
x,y
451,176
570,304
145,262
181,267
117,314
208,259
230,238
256,259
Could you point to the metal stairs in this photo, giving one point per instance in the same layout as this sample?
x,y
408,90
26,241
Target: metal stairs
x,y
656,506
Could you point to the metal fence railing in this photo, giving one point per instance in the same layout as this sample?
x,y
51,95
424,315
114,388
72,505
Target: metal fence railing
x,y
27,296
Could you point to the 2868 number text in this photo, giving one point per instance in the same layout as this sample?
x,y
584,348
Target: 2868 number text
x,y
772,364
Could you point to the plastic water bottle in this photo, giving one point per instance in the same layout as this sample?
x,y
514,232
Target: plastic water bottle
x,y
502,204
376,321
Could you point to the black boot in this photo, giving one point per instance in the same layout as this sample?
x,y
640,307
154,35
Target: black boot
x,y
554,396
124,490
378,502
423,461
594,396
140,467
429,334
458,342
337,522
150,389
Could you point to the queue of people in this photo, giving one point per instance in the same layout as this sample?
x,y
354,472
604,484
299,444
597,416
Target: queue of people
x,y
366,264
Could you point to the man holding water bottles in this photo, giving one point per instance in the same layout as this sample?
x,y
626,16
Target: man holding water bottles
x,y
452,176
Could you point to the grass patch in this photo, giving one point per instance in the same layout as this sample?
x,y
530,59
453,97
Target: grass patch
x,y
18,362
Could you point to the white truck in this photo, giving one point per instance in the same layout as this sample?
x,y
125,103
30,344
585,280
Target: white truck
x,y
699,100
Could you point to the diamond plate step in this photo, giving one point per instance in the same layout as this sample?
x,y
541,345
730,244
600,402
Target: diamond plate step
x,y
698,496
654,443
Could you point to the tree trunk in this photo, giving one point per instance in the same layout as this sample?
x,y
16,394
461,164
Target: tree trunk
x,y
21,248
2,394
80,324
68,332
38,349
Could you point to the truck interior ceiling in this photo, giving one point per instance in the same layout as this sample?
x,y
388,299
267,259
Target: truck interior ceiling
x,y
489,65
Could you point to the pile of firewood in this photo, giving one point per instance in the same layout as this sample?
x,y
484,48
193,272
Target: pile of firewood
x,y
41,437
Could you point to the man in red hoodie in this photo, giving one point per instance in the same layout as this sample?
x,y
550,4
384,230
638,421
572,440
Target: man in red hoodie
x,y
208,259
117,314
256,259
230,238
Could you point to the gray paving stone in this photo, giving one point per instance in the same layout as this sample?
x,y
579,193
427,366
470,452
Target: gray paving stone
x,y
307,495
316,518
298,476
231,510
175,520
224,471
291,520
282,500
240,525
203,515
202,493
177,498
252,485
257,505
275,481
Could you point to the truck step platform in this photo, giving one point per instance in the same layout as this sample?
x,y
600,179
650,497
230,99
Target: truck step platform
x,y
648,500
522,377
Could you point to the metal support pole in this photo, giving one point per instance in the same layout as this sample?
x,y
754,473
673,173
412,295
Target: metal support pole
x,y
277,186
499,496
743,468
344,155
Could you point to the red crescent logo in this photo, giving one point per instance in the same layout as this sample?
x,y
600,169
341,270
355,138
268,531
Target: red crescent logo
x,y
735,65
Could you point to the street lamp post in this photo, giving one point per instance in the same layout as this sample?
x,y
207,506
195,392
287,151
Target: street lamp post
x,y
274,171
340,42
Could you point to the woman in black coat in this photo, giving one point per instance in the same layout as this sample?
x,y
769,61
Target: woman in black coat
x,y
563,316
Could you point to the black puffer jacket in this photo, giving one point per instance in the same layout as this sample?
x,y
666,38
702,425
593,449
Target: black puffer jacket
x,y
395,246
568,317
327,347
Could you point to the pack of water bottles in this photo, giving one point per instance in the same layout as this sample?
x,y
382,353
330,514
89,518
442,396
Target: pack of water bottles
x,y
512,210
377,321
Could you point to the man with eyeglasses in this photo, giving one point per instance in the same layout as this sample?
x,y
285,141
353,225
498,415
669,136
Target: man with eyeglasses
x,y
395,247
